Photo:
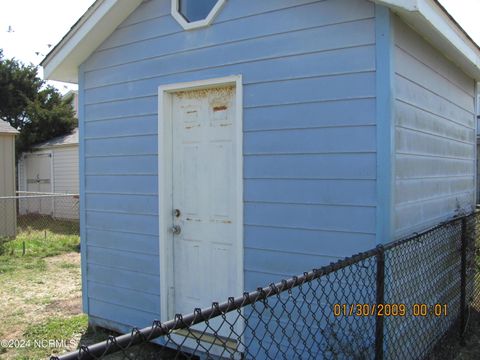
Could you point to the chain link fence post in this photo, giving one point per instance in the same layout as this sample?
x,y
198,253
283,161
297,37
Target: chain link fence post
x,y
380,286
463,281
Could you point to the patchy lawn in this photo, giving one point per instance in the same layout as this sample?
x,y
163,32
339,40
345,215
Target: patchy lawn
x,y
40,289
40,295
39,237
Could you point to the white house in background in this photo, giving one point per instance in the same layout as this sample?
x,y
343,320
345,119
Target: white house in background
x,y
51,167
74,94
8,218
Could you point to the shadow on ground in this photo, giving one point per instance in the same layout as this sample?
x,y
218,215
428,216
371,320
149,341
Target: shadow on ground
x,y
450,347
144,351
35,222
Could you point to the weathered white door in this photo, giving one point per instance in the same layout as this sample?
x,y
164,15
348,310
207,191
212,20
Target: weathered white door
x,y
205,180
39,173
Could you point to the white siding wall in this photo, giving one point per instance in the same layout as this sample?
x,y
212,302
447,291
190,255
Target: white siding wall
x,y
435,135
21,174
65,170
21,184
7,185
65,180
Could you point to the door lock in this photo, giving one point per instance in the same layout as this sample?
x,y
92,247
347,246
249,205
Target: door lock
x,y
177,213
176,229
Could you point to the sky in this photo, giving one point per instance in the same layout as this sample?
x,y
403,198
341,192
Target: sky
x,y
30,28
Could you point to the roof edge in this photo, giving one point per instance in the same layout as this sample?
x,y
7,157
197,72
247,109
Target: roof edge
x,y
69,139
428,17
91,30
48,147
7,129
431,20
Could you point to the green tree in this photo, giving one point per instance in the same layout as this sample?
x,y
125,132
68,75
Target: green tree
x,y
35,109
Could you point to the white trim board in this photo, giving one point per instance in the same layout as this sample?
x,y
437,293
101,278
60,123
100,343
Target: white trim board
x,y
91,30
165,172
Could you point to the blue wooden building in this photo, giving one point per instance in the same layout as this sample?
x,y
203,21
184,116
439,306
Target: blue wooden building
x,y
225,144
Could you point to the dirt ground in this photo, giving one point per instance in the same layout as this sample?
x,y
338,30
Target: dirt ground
x,y
450,347
34,296
41,300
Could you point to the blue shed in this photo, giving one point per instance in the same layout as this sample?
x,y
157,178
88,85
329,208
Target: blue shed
x,y
226,144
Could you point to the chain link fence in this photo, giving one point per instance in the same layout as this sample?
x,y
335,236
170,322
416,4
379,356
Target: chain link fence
x,y
34,214
475,268
393,302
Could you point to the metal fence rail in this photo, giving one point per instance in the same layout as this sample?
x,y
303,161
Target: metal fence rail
x,y
392,302
48,213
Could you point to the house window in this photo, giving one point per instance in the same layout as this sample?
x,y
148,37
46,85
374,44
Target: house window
x,y
193,14
194,10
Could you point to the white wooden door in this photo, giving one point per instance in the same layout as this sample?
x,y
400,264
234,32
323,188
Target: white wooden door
x,y
39,173
205,180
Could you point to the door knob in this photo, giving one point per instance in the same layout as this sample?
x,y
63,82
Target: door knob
x,y
176,229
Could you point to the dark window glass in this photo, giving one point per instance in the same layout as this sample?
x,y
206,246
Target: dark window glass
x,y
195,10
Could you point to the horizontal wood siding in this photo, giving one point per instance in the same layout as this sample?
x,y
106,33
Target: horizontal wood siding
x,y
8,217
21,174
308,69
435,135
66,180
66,169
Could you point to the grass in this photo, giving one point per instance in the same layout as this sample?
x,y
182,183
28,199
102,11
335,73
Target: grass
x,y
51,336
42,306
66,265
39,237
40,288
40,294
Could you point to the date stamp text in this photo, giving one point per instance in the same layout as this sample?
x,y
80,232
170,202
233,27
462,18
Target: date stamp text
x,y
390,310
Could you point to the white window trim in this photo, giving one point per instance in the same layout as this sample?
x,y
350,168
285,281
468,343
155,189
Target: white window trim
x,y
196,24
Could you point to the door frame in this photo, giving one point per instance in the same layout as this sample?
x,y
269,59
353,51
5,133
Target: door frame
x,y
165,188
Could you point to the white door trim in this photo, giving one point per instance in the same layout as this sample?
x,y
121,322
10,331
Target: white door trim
x,y
165,173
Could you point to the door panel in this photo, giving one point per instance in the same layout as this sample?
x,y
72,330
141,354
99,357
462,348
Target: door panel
x,y
205,180
38,173
220,189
